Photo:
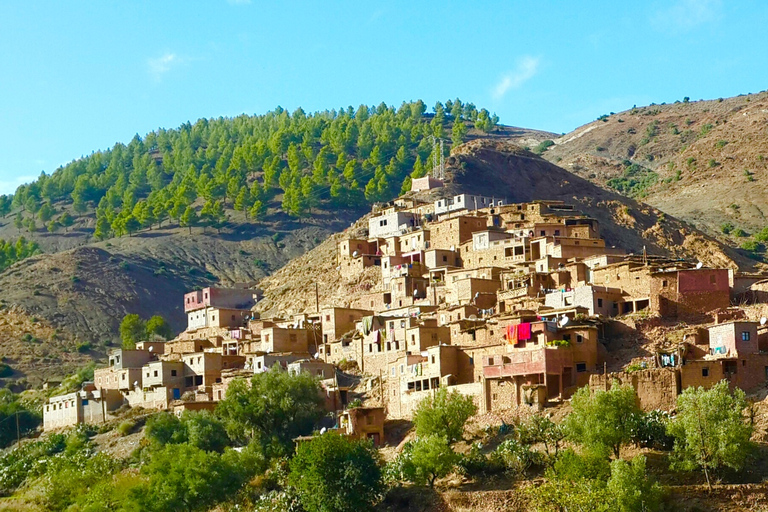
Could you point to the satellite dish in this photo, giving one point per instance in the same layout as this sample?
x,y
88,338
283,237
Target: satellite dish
x,y
316,356
477,294
763,321
563,321
323,430
699,265
151,349
135,383
354,254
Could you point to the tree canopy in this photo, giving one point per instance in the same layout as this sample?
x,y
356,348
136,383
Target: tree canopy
x,y
338,158
444,415
274,407
334,474
603,420
710,429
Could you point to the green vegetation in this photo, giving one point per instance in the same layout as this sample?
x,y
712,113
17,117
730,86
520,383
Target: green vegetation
x,y
762,235
602,421
650,132
710,430
133,329
333,474
705,129
721,144
11,252
192,174
635,181
11,405
276,408
543,146
443,415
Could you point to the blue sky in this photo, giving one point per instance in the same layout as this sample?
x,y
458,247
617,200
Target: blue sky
x,y
79,76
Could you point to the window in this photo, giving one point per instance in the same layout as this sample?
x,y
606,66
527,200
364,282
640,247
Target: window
x,y
664,283
433,359
392,372
402,323
490,361
327,318
155,373
85,402
581,367
173,373
402,369
744,335
599,303
543,233
557,232
705,372
579,338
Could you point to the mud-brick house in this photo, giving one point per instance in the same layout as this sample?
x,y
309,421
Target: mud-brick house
x,y
413,377
734,355
336,322
89,405
364,423
557,358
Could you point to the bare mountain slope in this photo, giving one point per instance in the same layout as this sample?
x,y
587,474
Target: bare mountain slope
x,y
710,158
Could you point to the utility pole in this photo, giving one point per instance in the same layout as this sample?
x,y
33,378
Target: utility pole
x,y
442,161
317,299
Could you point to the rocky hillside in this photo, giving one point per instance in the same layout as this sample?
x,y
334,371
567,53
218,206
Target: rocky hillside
x,y
705,162
503,169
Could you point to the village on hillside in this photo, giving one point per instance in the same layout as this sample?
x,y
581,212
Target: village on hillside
x,y
510,304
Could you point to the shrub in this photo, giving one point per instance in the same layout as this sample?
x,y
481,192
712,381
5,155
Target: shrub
x,y
726,228
83,347
515,457
444,415
543,146
752,246
762,235
331,473
427,459
739,233
650,430
126,427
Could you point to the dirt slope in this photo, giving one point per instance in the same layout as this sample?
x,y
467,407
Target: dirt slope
x,y
711,158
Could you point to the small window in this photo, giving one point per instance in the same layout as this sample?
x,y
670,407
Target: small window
x,y
490,361
664,283
392,372
581,367
173,373
155,373
705,372
599,303
433,359
744,335
579,338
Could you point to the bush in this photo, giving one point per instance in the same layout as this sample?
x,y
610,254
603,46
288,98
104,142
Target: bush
x,y
126,427
543,146
515,457
649,430
475,463
5,370
762,235
425,460
333,474
83,347
752,246
444,415
726,228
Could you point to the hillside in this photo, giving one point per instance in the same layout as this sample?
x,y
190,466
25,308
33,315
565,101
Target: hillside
x,y
503,169
703,161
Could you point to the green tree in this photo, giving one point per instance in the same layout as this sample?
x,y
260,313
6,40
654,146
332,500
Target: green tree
x,y
630,487
444,414
103,229
428,459
258,211
275,409
603,421
132,330
188,218
46,212
334,474
66,220
182,477
458,132
157,326
710,430
205,431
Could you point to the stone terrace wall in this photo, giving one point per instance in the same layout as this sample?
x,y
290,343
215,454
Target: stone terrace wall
x,y
656,389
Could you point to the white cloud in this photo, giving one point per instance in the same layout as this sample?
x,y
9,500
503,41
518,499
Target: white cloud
x,y
159,66
9,186
686,14
526,68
